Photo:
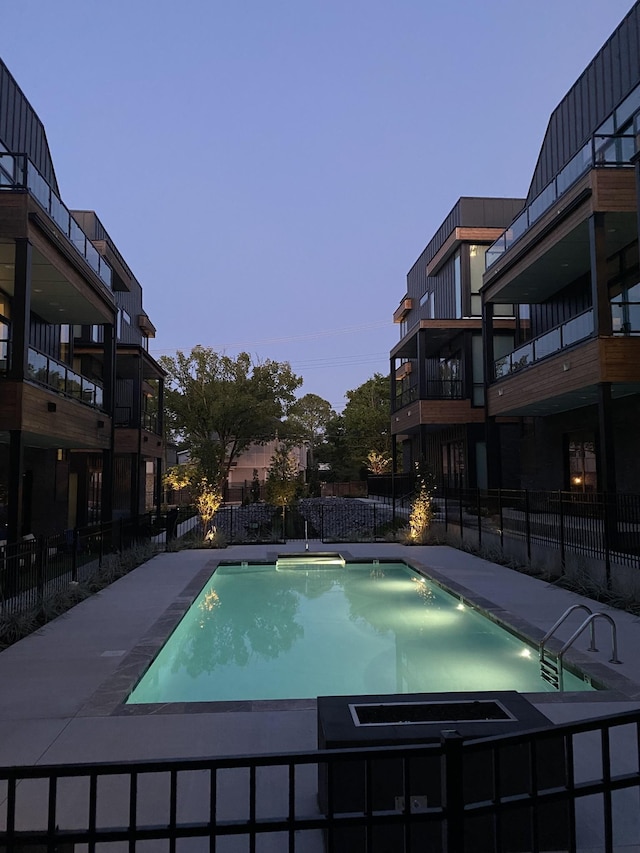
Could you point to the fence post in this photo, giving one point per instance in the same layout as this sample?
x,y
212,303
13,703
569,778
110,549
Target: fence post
x,y
561,526
375,525
460,512
40,566
501,519
607,541
230,525
527,523
322,522
479,517
446,512
453,790
74,554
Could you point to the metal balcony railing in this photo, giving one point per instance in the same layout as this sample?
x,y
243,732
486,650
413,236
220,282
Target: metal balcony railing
x,y
59,377
556,339
436,389
18,172
601,150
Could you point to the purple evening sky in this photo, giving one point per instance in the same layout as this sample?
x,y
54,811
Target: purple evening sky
x,y
271,169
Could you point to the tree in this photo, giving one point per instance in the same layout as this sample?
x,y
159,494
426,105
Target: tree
x,y
282,478
307,423
216,406
367,420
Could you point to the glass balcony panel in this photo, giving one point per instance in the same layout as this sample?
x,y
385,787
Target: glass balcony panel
x,y
542,202
92,257
37,367
57,376
444,389
88,392
516,229
502,367
5,349
105,272
495,251
98,397
522,357
578,328
576,167
627,108
38,186
78,236
613,150
634,318
8,165
60,214
74,385
547,344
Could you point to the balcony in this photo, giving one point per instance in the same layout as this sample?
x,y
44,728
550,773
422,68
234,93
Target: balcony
x,y
602,150
18,172
437,389
124,418
556,339
59,377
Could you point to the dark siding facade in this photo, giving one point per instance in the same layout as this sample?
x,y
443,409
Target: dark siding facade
x,y
608,79
21,131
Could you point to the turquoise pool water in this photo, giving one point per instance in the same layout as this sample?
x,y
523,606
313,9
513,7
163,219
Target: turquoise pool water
x,y
261,632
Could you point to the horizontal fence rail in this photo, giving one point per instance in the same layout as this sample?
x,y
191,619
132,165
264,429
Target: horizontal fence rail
x,y
566,787
36,567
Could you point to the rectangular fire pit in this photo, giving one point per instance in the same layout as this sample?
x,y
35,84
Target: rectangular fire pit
x,y
369,721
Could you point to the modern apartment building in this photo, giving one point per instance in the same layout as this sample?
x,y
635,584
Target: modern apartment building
x,y
61,372
437,368
569,264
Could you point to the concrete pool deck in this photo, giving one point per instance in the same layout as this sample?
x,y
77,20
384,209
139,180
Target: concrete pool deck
x,y
53,705
57,702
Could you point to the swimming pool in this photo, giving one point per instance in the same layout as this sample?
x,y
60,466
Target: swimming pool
x,y
297,630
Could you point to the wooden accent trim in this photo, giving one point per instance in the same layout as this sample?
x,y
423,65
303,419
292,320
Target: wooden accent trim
x,y
619,359
402,310
458,236
145,325
404,370
614,190
467,323
436,413
71,424
131,440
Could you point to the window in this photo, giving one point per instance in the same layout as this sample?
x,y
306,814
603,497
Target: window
x,y
476,268
457,278
453,464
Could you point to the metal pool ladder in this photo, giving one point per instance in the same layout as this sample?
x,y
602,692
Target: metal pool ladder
x,y
551,666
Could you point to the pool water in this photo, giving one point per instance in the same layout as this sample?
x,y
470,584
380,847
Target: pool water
x,y
262,632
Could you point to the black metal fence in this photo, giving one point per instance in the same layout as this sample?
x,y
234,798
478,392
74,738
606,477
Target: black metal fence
x,y
490,795
603,526
39,566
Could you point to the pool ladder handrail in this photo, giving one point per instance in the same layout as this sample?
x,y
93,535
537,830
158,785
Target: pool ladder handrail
x,y
555,674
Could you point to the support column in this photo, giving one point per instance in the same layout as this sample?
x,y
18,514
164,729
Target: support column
x,y
20,310
421,363
599,292
108,404
492,430
16,473
606,442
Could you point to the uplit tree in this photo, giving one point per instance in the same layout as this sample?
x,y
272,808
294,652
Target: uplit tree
x,y
217,406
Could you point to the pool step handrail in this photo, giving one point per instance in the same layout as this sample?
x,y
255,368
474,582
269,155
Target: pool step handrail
x,y
590,621
551,666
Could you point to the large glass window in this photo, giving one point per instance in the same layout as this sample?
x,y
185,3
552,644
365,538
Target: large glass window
x,y
476,269
625,311
457,274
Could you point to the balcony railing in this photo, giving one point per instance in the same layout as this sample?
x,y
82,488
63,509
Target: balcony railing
x,y
437,389
18,172
124,418
601,150
553,341
62,379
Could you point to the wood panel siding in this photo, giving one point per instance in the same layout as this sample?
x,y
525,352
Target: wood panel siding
x,y
456,238
435,413
132,441
614,190
402,310
619,359
26,407
13,214
615,360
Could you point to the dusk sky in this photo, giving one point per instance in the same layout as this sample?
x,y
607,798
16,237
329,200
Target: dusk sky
x,y
271,169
